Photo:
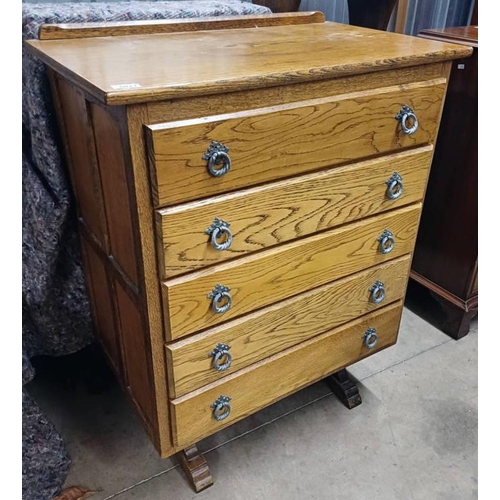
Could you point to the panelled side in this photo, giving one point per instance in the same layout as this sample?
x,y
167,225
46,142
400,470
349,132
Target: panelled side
x,y
104,182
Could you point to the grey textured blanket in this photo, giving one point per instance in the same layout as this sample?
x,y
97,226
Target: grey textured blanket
x,y
56,317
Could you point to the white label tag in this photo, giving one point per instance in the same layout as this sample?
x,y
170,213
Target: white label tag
x,y
460,66
126,86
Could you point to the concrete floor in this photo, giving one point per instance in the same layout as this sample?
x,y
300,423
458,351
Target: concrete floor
x,y
413,438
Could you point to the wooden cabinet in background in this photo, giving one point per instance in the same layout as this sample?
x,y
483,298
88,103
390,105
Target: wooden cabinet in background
x,y
446,253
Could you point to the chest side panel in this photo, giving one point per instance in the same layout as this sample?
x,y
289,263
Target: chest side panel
x,y
98,150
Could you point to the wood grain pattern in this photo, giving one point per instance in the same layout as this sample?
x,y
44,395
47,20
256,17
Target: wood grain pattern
x,y
114,297
135,360
82,160
110,153
273,143
125,69
194,107
150,27
260,385
293,101
121,167
136,116
100,293
113,269
104,317
273,329
268,215
195,467
266,277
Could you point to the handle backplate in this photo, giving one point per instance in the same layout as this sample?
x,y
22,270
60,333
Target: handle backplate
x,y
394,186
221,299
222,358
387,242
220,229
221,407
370,338
217,155
377,292
405,114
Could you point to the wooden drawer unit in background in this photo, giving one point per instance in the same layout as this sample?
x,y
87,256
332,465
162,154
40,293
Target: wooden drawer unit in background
x,y
446,253
248,212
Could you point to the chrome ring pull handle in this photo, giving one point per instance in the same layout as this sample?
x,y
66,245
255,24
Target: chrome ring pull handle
x,y
221,299
221,407
386,240
405,114
394,186
222,358
217,230
370,338
377,292
217,155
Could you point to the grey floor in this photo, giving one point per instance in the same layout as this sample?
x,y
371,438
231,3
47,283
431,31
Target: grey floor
x,y
413,438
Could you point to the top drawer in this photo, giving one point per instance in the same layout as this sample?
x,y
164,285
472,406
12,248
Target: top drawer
x,y
281,141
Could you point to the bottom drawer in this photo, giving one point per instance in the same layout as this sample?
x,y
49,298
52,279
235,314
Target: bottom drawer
x,y
261,384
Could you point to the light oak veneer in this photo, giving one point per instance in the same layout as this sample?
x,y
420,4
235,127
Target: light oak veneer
x,y
308,109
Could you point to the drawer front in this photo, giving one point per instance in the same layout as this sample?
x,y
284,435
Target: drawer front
x,y
266,277
266,216
268,331
282,141
262,384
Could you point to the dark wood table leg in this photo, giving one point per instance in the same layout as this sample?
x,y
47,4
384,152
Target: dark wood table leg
x,y
456,321
196,468
345,389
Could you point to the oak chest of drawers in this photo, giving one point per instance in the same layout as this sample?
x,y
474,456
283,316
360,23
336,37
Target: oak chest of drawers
x,y
249,191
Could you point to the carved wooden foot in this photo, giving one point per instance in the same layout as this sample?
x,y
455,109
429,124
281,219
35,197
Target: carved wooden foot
x,y
456,321
196,468
345,389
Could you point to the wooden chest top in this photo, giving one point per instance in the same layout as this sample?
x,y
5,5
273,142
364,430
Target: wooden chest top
x,y
143,67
